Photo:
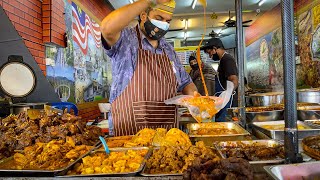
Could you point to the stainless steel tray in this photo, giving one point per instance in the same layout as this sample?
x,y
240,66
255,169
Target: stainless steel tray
x,y
38,173
235,144
144,173
308,170
312,124
114,174
241,134
279,134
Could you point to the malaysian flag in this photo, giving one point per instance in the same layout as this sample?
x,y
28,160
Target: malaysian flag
x,y
82,26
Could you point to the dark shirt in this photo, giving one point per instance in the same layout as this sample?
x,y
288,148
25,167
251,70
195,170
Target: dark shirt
x,y
209,76
227,67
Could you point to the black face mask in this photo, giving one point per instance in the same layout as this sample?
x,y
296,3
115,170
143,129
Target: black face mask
x,y
195,67
215,57
150,30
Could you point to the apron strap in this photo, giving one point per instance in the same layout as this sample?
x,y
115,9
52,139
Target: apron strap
x,y
139,36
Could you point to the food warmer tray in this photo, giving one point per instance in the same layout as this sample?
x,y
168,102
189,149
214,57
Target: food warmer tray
x,y
144,173
279,134
241,134
312,123
105,174
269,143
308,170
257,166
38,173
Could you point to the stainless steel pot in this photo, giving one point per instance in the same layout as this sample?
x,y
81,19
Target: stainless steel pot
x,y
264,116
309,95
309,113
23,107
266,99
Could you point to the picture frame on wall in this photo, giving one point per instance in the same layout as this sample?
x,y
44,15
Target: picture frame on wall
x,y
315,44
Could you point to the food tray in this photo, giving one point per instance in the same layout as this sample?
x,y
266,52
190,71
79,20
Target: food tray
x,y
308,170
279,134
241,134
311,140
312,123
144,173
234,144
109,175
119,138
38,173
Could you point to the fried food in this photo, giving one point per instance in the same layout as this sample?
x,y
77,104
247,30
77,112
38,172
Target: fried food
x,y
116,162
26,129
224,169
158,138
264,109
205,104
118,141
143,138
47,156
311,145
148,137
281,127
215,131
176,159
253,152
176,137
212,129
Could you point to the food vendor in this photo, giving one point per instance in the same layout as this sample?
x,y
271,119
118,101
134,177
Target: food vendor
x,y
227,71
145,68
208,72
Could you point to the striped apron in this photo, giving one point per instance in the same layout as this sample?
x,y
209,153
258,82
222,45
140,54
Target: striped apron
x,y
141,105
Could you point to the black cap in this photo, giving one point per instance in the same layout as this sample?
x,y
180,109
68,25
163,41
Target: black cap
x,y
216,42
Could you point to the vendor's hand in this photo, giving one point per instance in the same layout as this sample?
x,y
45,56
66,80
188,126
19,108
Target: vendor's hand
x,y
196,94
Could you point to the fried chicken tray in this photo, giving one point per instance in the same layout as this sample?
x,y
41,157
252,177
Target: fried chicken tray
x,y
275,129
311,146
255,151
120,162
217,131
44,159
150,137
174,160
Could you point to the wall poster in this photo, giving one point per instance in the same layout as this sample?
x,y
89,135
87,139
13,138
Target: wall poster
x,y
81,72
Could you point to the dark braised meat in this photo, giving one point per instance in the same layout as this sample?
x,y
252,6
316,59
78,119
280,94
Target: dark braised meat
x,y
18,132
254,153
224,169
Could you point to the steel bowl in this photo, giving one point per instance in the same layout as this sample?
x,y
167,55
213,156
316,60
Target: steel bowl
x,y
309,113
309,95
266,99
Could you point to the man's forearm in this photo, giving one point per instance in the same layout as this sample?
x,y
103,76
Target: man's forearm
x,y
235,80
189,89
120,18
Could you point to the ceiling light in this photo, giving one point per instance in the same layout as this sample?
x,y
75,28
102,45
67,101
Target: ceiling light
x,y
194,4
131,1
262,2
185,36
186,24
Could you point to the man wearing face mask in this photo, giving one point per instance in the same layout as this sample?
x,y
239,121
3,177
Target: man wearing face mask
x,y
227,71
209,76
145,68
